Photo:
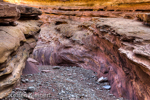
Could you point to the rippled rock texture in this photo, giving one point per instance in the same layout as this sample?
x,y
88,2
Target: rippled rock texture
x,y
116,48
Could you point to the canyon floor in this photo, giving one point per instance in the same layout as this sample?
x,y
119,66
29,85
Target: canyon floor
x,y
61,83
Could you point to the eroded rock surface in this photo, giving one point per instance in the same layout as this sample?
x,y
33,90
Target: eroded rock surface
x,y
28,12
145,17
16,44
116,48
10,12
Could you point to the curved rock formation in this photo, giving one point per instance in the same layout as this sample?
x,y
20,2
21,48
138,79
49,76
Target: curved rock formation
x,y
116,48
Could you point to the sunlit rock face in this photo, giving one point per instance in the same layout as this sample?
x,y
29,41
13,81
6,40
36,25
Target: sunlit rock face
x,y
79,2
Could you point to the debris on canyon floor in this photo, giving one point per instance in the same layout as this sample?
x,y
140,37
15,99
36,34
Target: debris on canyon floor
x,y
61,83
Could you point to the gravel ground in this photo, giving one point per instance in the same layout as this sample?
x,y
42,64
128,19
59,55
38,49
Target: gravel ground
x,y
61,83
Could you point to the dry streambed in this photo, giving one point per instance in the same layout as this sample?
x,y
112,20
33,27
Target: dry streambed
x,y
61,83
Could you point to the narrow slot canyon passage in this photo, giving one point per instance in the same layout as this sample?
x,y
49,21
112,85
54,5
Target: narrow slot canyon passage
x,y
74,51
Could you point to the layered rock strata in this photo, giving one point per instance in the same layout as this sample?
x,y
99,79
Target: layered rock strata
x,y
81,2
80,13
16,44
10,12
116,48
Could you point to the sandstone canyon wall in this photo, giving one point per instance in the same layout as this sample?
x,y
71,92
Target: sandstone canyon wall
x,y
17,40
116,48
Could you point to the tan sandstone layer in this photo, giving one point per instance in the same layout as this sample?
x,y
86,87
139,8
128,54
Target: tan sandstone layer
x,y
15,49
16,42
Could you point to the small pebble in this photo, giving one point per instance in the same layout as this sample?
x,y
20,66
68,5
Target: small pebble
x,y
102,79
23,81
73,96
53,90
110,94
56,67
27,80
45,71
107,87
54,78
31,81
31,89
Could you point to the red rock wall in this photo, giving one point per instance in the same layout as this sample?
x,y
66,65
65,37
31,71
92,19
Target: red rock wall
x,y
97,48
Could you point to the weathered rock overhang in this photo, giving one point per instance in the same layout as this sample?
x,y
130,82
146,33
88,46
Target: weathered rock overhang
x,y
11,12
